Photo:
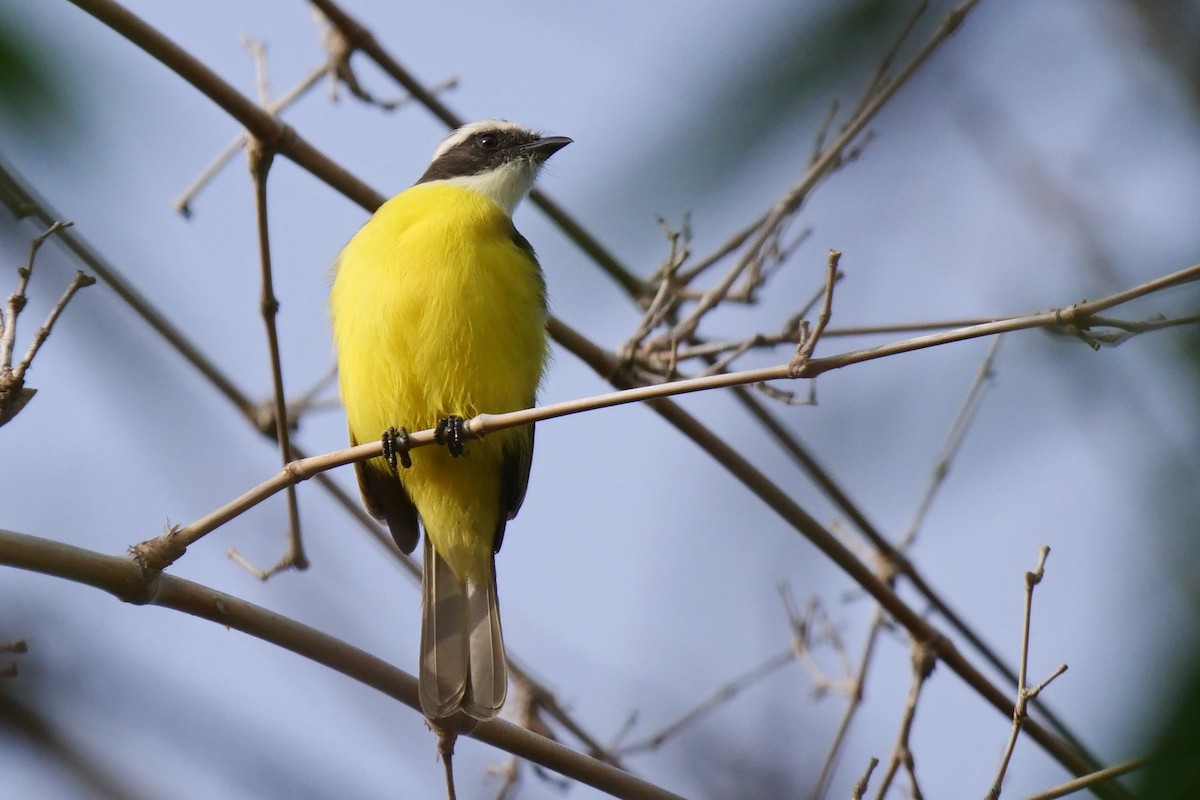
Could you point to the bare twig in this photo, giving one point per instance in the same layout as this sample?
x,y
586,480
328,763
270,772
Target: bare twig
x,y
855,694
301,404
260,159
885,64
14,395
445,748
80,280
165,553
802,625
1091,780
787,205
924,658
1024,694
545,701
666,298
859,790
890,564
954,439
336,66
527,706
808,341
721,695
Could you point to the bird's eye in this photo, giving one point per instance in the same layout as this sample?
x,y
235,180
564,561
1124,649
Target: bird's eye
x,y
488,141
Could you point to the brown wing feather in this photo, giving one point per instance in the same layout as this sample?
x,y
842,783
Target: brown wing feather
x,y
384,498
514,479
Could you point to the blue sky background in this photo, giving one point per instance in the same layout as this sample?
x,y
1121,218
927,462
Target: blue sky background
x,y
1045,155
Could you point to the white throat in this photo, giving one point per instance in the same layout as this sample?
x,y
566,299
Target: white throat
x,y
505,185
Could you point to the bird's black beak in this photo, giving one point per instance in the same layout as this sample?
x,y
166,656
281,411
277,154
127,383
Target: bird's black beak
x,y
544,147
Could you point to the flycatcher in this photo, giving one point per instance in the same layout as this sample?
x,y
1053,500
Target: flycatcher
x,y
439,314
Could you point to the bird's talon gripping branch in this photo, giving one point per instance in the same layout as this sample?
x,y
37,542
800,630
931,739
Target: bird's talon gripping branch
x,y
395,445
452,432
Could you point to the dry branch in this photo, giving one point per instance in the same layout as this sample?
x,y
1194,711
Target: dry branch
x,y
1024,694
129,583
14,395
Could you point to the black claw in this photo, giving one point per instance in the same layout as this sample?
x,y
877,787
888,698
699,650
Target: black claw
x,y
452,432
395,444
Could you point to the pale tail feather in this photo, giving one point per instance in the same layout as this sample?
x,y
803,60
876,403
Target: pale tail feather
x,y
462,652
444,646
489,669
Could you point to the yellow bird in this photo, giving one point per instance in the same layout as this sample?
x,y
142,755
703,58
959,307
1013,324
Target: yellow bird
x,y
439,313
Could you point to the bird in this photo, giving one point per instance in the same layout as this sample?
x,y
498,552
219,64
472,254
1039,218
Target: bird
x,y
438,311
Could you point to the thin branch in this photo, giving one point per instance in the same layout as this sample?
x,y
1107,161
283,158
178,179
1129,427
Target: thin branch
x,y
802,625
787,205
18,299
808,341
1077,317
124,579
665,299
889,567
954,440
1024,694
859,790
1091,780
721,695
80,280
159,553
14,395
924,658
907,327
858,683
336,65
547,702
898,565
260,160
183,203
885,64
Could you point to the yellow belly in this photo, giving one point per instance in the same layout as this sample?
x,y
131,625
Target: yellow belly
x,y
437,311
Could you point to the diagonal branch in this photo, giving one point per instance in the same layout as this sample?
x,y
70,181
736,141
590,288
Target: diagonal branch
x,y
125,580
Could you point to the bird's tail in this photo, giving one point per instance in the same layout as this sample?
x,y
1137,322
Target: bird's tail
x,y
462,651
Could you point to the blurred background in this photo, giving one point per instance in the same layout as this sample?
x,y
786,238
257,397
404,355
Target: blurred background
x,y
1046,154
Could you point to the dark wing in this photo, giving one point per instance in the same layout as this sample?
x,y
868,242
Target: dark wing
x,y
523,243
518,455
384,498
514,477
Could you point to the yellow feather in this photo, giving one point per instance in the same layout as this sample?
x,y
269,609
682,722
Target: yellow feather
x,y
438,311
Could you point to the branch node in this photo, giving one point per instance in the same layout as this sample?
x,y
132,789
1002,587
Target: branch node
x,y
155,555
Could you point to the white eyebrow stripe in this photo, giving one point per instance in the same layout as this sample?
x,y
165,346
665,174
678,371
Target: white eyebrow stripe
x,y
467,131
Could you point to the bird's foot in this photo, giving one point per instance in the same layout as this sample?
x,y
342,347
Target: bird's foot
x,y
452,432
395,445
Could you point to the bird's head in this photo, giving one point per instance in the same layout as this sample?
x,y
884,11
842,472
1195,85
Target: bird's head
x,y
494,157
